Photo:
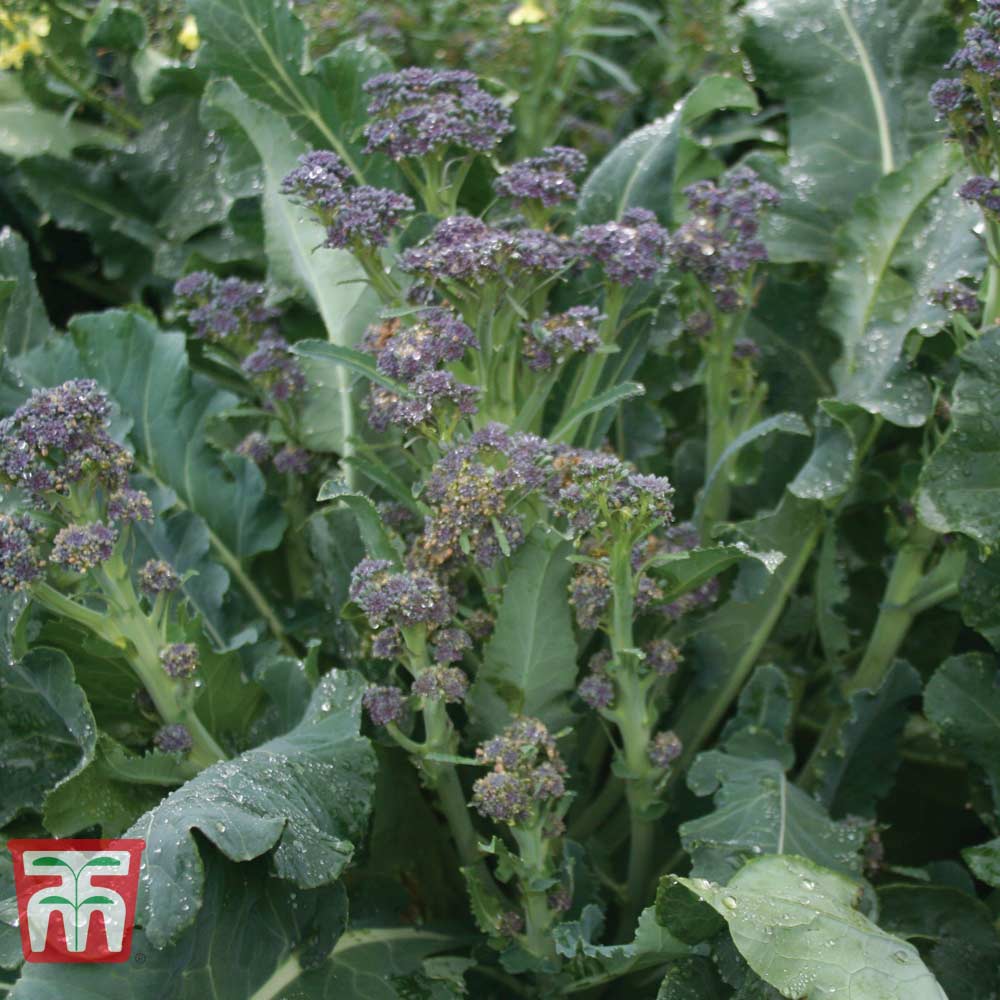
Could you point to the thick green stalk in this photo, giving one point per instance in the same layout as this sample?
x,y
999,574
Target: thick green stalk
x,y
893,622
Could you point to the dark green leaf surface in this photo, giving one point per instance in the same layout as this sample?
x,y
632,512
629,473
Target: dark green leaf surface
x,y
247,926
23,321
960,485
797,926
963,701
880,287
854,79
47,731
529,664
643,170
306,795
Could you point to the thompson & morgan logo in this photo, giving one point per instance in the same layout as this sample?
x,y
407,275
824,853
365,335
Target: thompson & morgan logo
x,y
76,898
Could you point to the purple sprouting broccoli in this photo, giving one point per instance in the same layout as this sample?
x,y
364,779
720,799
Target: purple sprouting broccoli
x,y
405,599
719,244
20,562
179,660
128,506
552,339
174,738
158,577
384,704
82,547
448,684
59,437
416,112
546,178
629,250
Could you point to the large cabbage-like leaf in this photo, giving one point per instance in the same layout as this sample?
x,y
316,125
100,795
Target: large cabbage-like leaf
x,y
797,926
306,795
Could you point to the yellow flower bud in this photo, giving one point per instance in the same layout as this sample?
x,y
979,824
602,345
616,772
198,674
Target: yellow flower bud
x,y
188,36
528,12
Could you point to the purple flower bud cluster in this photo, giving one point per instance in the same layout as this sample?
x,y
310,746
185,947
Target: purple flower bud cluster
x,y
718,244
384,704
405,599
528,774
472,491
554,338
448,684
430,394
630,250
225,310
20,563
411,355
981,52
59,437
355,216
590,592
664,749
465,249
956,298
179,660
157,577
948,95
274,366
256,447
480,624
81,547
175,738
546,178
128,506
419,111
404,352
235,314
387,644
292,461
450,645
982,191
509,924
597,689
598,488
662,657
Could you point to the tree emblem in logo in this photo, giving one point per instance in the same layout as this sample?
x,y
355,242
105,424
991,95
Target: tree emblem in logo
x,y
78,886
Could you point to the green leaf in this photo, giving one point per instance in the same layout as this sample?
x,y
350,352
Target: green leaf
x,y
759,811
115,25
692,978
377,541
601,401
954,932
984,860
901,241
831,594
729,641
960,485
691,920
763,715
832,466
856,103
860,768
355,361
963,700
332,279
364,964
47,730
248,930
682,572
306,795
24,322
28,130
183,539
95,796
980,595
796,925
778,423
529,663
594,964
91,198
262,48
642,171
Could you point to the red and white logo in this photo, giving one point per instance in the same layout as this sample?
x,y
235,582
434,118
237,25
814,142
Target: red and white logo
x,y
76,898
